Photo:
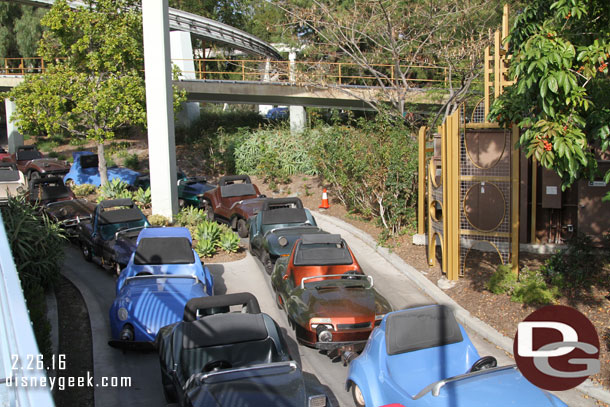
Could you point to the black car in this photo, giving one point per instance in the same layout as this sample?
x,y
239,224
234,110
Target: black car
x,y
220,358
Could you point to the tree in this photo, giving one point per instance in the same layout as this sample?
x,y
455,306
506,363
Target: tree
x,y
20,29
560,51
402,34
93,85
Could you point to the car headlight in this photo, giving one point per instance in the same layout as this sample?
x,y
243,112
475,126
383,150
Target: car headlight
x,y
282,241
122,314
319,400
20,190
324,333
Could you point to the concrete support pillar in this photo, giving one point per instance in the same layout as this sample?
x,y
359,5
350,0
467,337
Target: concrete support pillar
x,y
298,117
159,108
182,56
14,138
263,109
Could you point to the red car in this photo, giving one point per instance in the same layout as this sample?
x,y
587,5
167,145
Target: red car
x,y
233,201
329,300
33,165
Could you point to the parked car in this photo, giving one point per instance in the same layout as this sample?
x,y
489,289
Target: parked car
x,y
163,274
69,214
423,357
275,229
4,155
43,191
278,113
190,189
330,302
12,181
109,237
230,359
233,201
31,162
85,170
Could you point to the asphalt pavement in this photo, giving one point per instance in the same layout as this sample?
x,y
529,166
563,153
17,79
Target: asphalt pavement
x,y
391,279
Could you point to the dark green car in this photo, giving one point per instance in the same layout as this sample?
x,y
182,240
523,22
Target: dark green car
x,y
276,227
190,189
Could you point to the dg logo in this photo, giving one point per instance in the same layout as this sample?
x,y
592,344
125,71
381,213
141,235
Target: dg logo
x,y
556,348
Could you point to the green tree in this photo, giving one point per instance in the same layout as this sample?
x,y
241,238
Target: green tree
x,y
20,29
560,51
94,84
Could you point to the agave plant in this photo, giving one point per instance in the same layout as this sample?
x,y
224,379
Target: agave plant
x,y
229,241
115,189
207,230
142,197
190,217
205,248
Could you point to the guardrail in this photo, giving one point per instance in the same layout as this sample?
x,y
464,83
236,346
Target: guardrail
x,y
18,349
259,70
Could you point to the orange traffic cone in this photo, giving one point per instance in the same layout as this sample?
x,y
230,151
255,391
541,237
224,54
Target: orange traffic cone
x,y
324,204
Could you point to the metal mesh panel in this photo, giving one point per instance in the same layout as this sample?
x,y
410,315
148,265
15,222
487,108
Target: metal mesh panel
x,y
478,114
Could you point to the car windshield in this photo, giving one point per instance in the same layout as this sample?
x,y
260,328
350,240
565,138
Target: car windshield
x,y
89,161
322,254
27,155
107,231
351,281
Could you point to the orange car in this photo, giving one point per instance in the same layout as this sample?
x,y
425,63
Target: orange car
x,y
329,300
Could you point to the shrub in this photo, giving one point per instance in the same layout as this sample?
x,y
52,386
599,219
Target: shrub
x,y
142,197
208,231
84,190
576,266
229,241
205,248
115,189
132,161
372,169
158,220
190,217
532,289
503,280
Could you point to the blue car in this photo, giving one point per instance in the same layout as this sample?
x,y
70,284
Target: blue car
x,y
163,274
423,357
85,170
278,113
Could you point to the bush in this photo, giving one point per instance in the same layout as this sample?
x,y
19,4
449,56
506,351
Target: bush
x,y
37,309
190,217
158,220
372,169
579,265
132,161
503,280
205,248
84,190
229,241
532,289
142,197
276,154
208,231
115,189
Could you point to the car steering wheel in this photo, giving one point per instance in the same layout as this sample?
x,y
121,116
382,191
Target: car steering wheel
x,y
486,362
217,365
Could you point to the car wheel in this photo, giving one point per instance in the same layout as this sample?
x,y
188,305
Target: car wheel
x,y
209,212
86,250
278,300
169,391
117,268
180,203
357,395
267,263
242,228
34,175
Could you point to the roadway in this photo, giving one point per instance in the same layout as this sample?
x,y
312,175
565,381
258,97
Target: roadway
x,y
98,289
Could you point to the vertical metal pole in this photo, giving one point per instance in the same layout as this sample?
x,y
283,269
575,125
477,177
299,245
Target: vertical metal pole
x,y
445,183
487,84
453,252
514,210
533,239
497,72
431,234
339,73
159,108
421,178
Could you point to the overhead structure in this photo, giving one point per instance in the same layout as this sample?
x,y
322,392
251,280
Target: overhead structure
x,y
205,28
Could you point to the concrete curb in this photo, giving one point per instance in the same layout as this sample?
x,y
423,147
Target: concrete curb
x,y
462,315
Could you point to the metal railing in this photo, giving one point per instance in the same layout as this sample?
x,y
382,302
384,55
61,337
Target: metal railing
x,y
18,349
259,70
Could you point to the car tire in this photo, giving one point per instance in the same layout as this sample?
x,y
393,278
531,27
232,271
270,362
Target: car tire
x,y
181,203
242,228
33,175
169,391
209,212
267,263
86,251
357,396
278,300
117,268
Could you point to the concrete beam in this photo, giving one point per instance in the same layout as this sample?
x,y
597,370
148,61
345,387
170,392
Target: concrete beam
x,y
159,108
182,56
14,138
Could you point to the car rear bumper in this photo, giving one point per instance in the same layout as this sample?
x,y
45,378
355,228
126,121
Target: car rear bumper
x,y
132,345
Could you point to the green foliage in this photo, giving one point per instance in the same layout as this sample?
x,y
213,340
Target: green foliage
x,y
228,241
158,220
37,243
84,190
20,30
37,310
132,161
190,217
560,52
275,153
205,248
207,230
142,197
503,280
372,169
115,189
532,289
580,265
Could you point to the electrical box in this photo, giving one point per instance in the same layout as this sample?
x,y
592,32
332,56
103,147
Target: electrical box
x,y
551,189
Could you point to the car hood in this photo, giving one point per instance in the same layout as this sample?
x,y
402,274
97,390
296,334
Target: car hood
x,y
268,387
155,302
49,164
291,233
339,302
66,210
196,188
250,207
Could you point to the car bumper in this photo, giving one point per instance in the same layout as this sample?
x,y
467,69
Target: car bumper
x,y
354,346
132,345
